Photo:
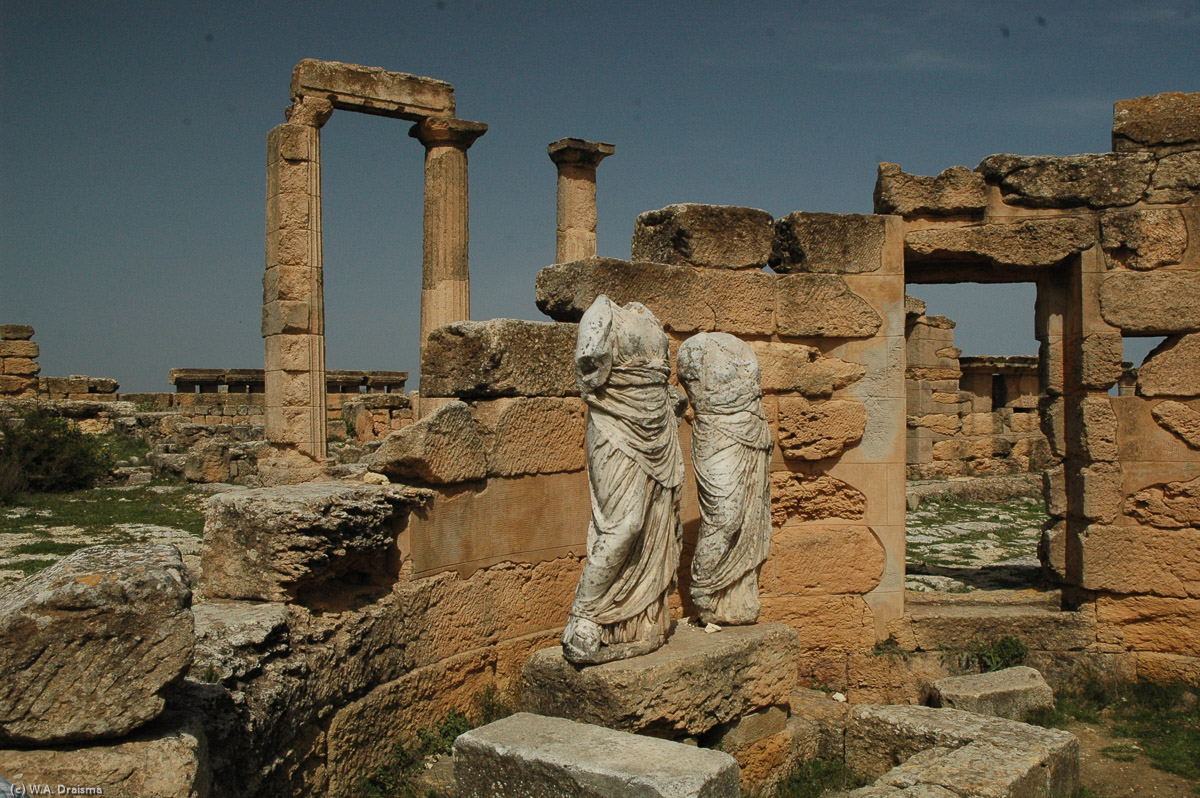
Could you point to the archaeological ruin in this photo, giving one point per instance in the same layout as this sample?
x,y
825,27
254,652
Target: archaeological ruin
x,y
388,555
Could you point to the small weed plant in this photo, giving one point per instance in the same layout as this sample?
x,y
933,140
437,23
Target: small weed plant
x,y
816,777
989,656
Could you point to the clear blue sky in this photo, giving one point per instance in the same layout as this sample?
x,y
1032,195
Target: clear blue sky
x,y
132,144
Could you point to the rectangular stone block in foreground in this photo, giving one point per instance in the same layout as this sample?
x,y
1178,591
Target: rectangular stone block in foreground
x,y
539,757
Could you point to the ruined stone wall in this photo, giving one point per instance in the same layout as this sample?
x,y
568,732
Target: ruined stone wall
x,y
18,361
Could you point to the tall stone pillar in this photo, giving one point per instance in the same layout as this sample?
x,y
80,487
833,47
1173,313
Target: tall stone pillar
x,y
577,160
293,319
445,279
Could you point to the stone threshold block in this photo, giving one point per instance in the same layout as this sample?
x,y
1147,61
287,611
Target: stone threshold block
x,y
1010,693
540,757
694,683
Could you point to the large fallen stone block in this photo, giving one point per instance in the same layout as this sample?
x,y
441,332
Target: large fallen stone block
x,y
88,645
1009,693
269,544
955,191
541,757
500,357
1105,180
718,236
1031,242
1160,123
1152,303
1172,369
444,447
695,682
835,243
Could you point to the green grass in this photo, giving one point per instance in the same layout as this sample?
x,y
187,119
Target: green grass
x,y
815,777
48,547
28,567
98,512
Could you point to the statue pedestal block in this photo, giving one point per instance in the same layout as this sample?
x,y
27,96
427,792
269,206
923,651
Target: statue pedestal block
x,y
696,682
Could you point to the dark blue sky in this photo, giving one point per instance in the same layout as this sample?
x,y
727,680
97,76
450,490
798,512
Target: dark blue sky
x,y
132,144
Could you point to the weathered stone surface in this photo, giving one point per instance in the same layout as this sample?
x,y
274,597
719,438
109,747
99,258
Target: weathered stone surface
x,y
1097,428
830,243
27,349
941,423
828,624
273,544
1031,242
1143,239
444,447
372,90
750,729
1138,559
165,759
1180,420
824,560
795,368
822,305
800,497
208,461
1154,303
1157,122
535,435
1170,506
1150,623
964,752
1009,693
689,686
1177,177
690,234
235,638
15,332
955,191
1172,369
1104,180
500,357
1099,485
547,757
954,626
913,306
684,299
88,644
816,430
1101,362
21,367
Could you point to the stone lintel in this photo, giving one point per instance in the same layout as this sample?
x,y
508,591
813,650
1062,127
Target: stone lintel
x,y
447,132
577,152
373,90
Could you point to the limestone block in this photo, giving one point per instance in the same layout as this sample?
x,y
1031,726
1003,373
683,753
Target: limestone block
x,y
913,306
951,449
1157,122
1171,506
208,461
21,367
1103,180
822,305
1031,242
683,298
1052,411
88,645
272,544
827,624
1152,303
795,368
1141,560
526,754
1150,623
290,317
693,683
500,357
830,243
1096,428
444,447
1143,239
293,142
1009,693
799,497
1172,369
1099,489
1052,550
1180,420
817,430
538,435
236,638
750,729
166,759
717,236
15,332
1177,177
955,191
1054,491
941,423
10,384
1101,360
373,90
18,348
956,626
832,560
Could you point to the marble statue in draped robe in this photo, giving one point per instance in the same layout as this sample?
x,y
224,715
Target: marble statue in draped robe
x,y
731,453
635,468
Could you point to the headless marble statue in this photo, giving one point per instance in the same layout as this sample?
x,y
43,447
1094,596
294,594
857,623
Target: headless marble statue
x,y
635,468
731,453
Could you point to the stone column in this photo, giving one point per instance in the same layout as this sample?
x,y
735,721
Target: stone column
x,y
293,319
577,160
445,280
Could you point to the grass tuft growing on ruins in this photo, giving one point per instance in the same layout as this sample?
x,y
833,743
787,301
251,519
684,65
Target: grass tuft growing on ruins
x,y
814,778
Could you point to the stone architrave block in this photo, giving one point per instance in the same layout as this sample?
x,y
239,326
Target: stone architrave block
x,y
830,243
1152,303
795,368
1025,243
500,357
1172,369
714,236
15,332
1009,693
88,645
820,429
1174,505
685,299
1142,560
1104,180
373,90
268,544
692,684
822,305
443,448
1160,123
533,755
955,191
1180,420
1144,239
799,497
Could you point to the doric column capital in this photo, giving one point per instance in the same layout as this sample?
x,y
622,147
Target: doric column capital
x,y
311,111
447,131
577,152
